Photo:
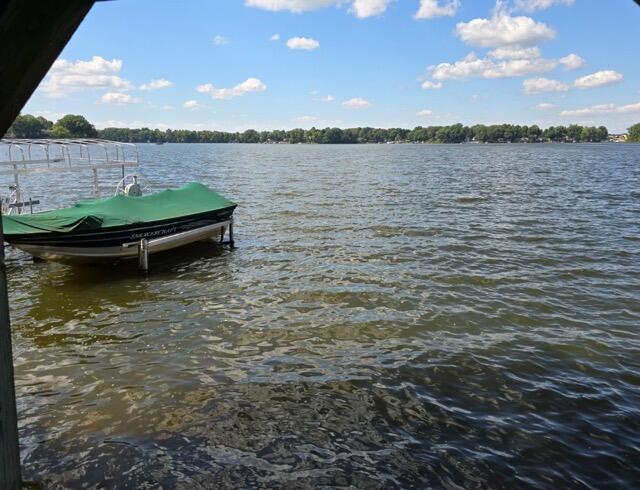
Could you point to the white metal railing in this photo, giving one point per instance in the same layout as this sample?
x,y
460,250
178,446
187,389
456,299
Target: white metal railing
x,y
20,157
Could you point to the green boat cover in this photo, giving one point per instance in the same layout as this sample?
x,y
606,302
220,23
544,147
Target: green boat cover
x,y
95,214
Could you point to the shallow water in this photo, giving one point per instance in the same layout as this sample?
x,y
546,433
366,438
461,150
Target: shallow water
x,y
462,316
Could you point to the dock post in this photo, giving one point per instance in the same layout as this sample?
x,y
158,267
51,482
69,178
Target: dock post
x,y
143,255
10,478
231,242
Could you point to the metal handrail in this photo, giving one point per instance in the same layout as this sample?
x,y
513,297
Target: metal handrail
x,y
38,156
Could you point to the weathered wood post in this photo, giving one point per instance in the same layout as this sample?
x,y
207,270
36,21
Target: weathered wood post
x,y
9,449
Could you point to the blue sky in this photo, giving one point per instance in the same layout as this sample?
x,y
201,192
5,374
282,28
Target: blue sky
x,y
280,64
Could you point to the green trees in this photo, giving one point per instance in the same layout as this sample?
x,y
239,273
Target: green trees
x,y
296,136
558,133
593,134
505,133
602,133
574,132
60,132
73,126
634,133
69,126
250,136
29,126
451,134
534,133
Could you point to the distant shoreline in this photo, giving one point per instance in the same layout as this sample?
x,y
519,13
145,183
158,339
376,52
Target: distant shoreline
x,y
425,143
456,133
76,126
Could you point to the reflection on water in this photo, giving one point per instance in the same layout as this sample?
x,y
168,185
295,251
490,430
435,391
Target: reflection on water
x,y
394,316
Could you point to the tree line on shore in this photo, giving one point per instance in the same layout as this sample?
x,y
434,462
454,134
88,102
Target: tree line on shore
x,y
634,133
74,126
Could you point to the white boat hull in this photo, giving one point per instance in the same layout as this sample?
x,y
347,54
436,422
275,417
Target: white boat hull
x,y
80,255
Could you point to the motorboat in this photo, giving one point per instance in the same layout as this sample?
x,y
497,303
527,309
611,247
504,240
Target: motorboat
x,y
125,225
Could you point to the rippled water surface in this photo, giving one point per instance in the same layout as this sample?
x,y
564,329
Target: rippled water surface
x,y
459,316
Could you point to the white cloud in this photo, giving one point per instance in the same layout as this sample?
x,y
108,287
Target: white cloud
x,y
545,106
306,118
432,8
356,103
220,40
156,84
65,76
191,104
533,5
599,79
604,109
541,85
429,85
118,98
424,113
515,53
369,8
275,37
248,86
473,67
296,6
502,62
503,30
305,43
360,8
96,66
428,9
572,61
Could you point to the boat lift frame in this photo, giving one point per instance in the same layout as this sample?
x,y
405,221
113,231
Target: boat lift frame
x,y
42,156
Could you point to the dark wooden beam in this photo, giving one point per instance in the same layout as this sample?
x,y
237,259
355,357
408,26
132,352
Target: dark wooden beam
x,y
9,449
32,35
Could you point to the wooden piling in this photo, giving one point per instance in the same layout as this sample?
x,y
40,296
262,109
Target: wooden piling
x,y
9,450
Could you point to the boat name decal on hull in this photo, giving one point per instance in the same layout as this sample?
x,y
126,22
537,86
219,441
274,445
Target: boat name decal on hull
x,y
147,234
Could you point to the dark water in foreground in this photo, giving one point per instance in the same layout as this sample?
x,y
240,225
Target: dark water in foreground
x,y
394,316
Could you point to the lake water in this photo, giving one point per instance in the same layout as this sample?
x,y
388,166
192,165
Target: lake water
x,y
462,316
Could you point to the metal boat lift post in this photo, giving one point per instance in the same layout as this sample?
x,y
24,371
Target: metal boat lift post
x,y
230,242
145,247
143,255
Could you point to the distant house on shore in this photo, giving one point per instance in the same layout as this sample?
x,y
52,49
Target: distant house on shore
x,y
618,138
